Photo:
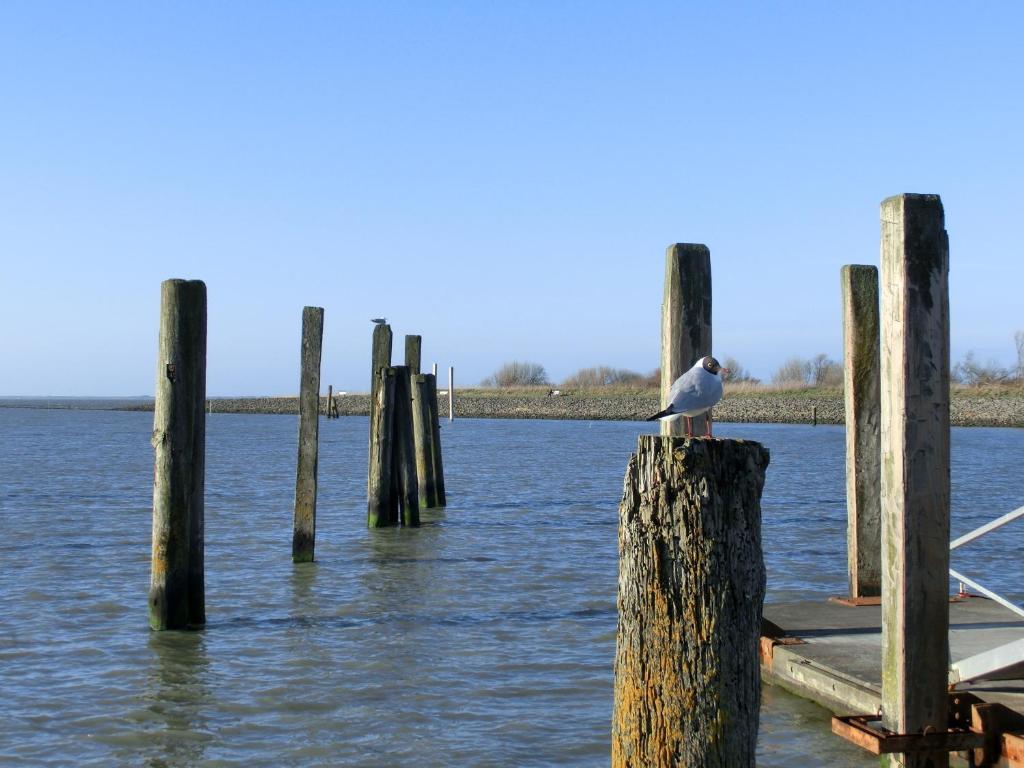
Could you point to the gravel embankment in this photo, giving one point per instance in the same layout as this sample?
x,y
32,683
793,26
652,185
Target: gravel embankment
x,y
968,409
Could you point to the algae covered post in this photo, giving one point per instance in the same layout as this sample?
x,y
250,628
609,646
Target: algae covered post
x,y
404,449
423,437
862,405
176,592
915,470
381,498
413,344
685,322
304,523
691,588
380,359
435,428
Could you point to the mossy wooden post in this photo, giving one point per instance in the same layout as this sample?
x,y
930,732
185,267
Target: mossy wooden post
x,y
304,523
685,323
435,427
413,345
423,437
405,450
380,359
691,588
863,450
380,499
176,590
915,470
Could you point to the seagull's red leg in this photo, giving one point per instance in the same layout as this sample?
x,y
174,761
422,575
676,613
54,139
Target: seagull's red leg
x,y
709,424
689,427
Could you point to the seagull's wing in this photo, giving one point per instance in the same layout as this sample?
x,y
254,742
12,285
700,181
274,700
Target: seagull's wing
x,y
684,388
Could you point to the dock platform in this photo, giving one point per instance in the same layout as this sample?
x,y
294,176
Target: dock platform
x,y
831,653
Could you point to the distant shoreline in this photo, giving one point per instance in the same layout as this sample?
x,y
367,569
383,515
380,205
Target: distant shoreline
x,y
969,408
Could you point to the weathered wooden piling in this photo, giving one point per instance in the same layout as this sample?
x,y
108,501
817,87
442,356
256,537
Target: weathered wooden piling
x,y
862,402
423,436
381,502
413,345
451,393
331,409
685,323
435,427
304,523
176,591
380,359
406,481
691,587
915,470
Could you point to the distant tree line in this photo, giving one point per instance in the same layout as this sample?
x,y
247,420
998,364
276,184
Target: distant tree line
x,y
817,371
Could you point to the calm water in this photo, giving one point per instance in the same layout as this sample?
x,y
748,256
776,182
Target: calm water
x,y
484,638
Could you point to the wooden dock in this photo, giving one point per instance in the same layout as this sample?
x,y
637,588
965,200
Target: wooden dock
x,y
831,653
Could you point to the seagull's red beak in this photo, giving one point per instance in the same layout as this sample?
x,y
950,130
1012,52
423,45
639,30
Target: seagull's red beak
x,y
724,370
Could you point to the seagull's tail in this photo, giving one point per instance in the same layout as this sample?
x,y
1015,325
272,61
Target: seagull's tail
x,y
660,414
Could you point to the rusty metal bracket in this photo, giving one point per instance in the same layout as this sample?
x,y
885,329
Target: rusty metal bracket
x,y
866,731
855,602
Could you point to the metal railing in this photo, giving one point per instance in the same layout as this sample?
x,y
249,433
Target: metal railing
x,y
1009,517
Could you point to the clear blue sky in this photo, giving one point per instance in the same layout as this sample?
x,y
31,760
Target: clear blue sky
x,y
502,178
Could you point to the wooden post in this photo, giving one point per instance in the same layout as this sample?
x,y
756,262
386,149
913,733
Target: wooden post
x,y
691,588
434,371
814,415
330,399
405,450
451,393
685,323
380,498
304,524
915,470
863,449
423,437
381,358
435,426
413,344
176,589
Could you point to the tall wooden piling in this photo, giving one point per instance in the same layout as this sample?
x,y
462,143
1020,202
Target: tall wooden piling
x,y
304,524
413,345
915,470
863,429
406,481
176,591
451,393
685,323
435,427
330,400
380,359
423,437
380,498
691,588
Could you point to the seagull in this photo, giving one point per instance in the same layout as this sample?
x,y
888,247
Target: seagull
x,y
378,320
693,393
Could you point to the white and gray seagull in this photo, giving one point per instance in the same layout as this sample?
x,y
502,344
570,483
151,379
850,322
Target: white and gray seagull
x,y
693,393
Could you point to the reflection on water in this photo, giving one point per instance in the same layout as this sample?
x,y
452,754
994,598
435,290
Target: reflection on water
x,y
486,637
177,695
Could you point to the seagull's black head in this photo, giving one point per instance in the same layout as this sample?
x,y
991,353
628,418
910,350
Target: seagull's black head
x,y
711,365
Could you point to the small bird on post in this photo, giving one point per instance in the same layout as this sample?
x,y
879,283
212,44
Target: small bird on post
x,y
696,391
